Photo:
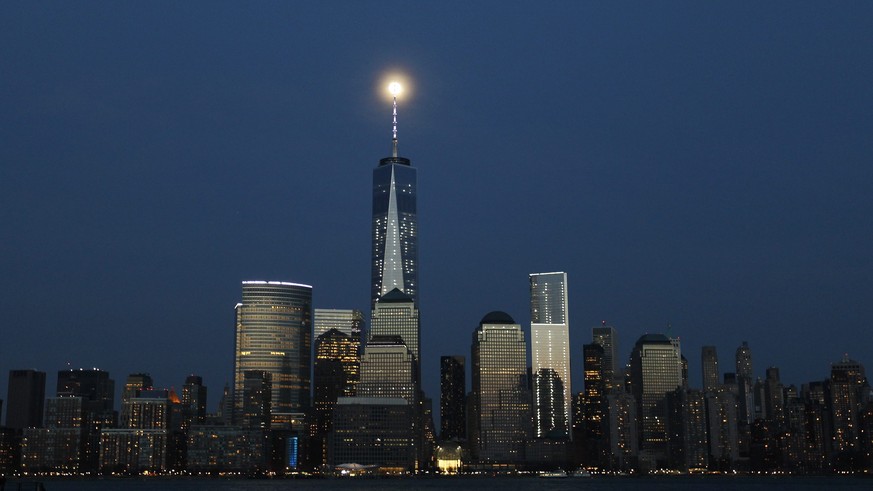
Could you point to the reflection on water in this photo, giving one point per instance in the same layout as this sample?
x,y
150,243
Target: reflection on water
x,y
689,483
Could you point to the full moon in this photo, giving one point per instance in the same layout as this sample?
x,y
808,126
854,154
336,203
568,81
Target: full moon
x,y
395,88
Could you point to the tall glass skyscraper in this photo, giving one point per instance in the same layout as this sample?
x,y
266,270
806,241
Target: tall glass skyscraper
x,y
395,226
273,334
656,370
550,354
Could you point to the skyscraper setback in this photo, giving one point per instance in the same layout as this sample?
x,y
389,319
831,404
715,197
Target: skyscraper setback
x,y
395,225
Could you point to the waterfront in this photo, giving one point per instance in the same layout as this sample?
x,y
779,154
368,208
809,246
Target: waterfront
x,y
689,483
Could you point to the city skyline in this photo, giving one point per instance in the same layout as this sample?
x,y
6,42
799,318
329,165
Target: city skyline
x,y
141,188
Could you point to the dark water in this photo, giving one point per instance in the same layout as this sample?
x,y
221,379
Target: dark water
x,y
689,483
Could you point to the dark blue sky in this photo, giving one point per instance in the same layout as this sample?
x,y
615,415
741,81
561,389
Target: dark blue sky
x,y
702,164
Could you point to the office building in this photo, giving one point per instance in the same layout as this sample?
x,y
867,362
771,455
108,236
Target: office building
x,y
57,447
550,355
373,431
847,379
135,384
225,449
744,361
613,372
273,334
148,412
656,370
395,314
501,399
686,429
453,397
193,402
24,399
388,369
97,391
93,385
395,225
337,374
134,451
709,362
722,429
347,321
623,431
257,398
594,407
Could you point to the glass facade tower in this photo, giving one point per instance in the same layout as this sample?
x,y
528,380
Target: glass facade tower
x,y
395,229
550,354
273,334
656,370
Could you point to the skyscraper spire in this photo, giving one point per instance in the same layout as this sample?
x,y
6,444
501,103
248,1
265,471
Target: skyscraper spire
x,y
395,227
395,88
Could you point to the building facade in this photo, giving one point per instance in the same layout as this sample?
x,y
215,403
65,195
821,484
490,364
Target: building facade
x,y
605,336
25,399
656,370
273,334
388,369
501,399
347,321
550,355
395,228
395,314
709,362
453,396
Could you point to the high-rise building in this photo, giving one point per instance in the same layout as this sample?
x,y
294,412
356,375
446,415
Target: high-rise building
x,y
605,336
24,399
388,369
58,446
594,406
395,225
623,431
336,374
744,361
745,386
709,362
97,391
193,402
847,379
500,391
453,396
93,385
550,355
347,321
774,399
686,429
134,385
656,370
257,396
273,329
722,429
395,314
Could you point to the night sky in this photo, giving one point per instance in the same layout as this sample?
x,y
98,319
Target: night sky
x,y
703,165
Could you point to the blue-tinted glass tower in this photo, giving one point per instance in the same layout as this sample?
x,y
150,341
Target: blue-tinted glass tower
x,y
395,226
